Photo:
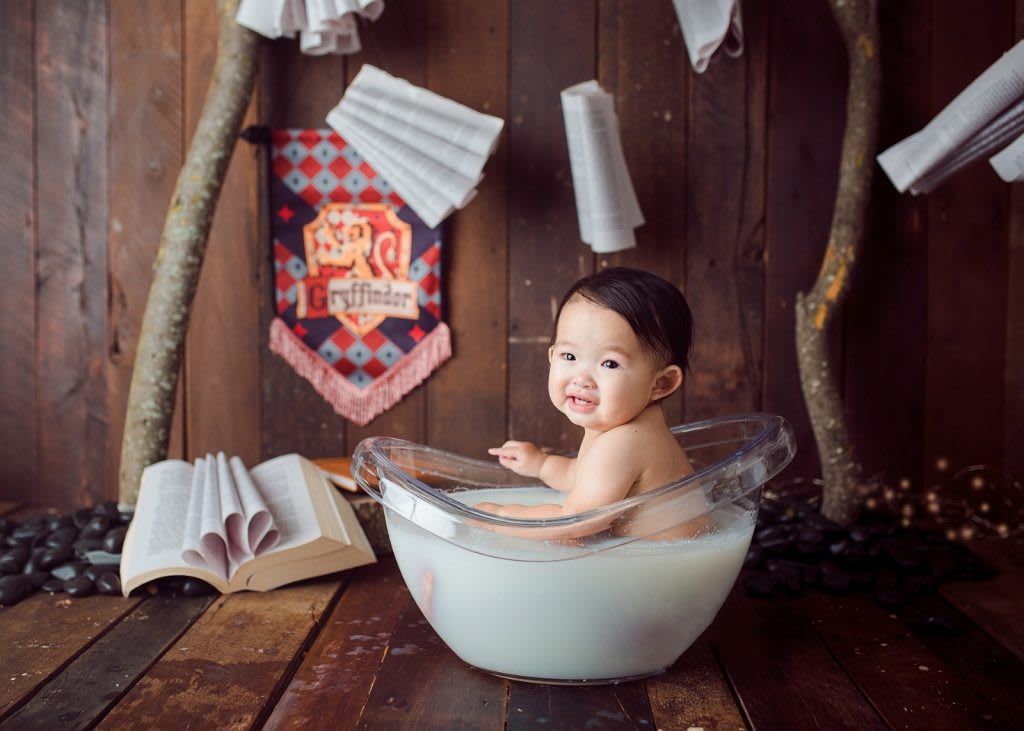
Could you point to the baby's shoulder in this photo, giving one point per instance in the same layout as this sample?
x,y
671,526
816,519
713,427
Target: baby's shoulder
x,y
627,437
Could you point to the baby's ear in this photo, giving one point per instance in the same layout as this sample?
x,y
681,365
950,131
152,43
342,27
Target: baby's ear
x,y
551,353
667,382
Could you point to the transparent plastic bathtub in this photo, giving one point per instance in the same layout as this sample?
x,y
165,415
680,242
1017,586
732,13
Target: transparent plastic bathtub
x,y
598,597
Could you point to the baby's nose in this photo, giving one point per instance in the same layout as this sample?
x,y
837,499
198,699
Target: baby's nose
x,y
583,380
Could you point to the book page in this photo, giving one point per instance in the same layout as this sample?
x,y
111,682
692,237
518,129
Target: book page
x,y
283,486
986,97
211,552
990,138
429,148
708,25
402,101
192,537
606,206
1009,163
259,532
158,526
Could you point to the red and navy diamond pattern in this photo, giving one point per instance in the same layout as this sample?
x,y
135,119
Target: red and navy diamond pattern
x,y
314,167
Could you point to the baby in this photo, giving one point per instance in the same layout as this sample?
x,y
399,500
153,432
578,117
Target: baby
x,y
621,345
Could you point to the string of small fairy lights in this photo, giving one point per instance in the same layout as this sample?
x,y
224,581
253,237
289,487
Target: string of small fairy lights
x,y
979,501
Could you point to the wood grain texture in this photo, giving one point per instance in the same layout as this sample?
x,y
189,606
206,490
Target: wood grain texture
x,y
545,252
967,259
331,686
467,61
887,308
597,707
994,604
642,63
693,693
296,91
806,106
422,684
222,350
909,685
97,678
43,632
18,378
145,158
71,276
725,235
226,670
397,43
980,663
791,680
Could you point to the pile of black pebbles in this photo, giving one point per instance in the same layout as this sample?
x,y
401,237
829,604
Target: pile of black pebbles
x,y
51,553
795,547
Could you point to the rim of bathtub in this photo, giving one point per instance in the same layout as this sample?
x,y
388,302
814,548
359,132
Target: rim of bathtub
x,y
768,445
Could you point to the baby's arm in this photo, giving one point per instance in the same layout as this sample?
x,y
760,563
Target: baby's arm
x,y
524,458
605,477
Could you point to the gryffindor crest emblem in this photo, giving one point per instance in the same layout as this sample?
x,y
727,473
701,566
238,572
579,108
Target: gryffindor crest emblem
x,y
358,258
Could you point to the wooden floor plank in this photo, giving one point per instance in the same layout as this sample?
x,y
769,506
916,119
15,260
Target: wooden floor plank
x,y
331,686
96,679
226,669
693,693
45,631
594,707
981,663
994,604
907,683
422,684
781,672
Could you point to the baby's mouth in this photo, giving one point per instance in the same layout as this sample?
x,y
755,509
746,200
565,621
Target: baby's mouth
x,y
580,404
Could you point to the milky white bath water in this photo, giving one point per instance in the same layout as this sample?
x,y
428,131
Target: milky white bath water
x,y
624,612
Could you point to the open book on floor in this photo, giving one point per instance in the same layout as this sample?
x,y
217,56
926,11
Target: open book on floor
x,y
240,529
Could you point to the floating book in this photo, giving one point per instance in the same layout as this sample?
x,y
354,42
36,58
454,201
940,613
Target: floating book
x,y
985,117
240,529
431,149
708,25
606,204
324,26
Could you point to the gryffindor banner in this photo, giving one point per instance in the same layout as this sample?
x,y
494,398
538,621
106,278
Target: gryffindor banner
x,y
357,277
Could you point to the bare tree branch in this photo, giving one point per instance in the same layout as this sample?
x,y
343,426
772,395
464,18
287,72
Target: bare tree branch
x,y
180,256
841,472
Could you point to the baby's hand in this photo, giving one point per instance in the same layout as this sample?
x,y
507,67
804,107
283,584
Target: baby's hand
x,y
523,458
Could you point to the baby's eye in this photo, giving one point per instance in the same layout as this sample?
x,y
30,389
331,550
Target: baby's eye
x,y
567,356
610,364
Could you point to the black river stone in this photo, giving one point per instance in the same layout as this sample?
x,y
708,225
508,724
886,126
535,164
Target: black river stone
x,y
794,546
97,527
13,561
56,556
195,587
14,588
81,517
114,539
96,570
38,578
109,511
70,570
109,583
62,536
53,585
79,586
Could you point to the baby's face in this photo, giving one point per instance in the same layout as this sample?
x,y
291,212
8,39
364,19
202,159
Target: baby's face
x,y
600,376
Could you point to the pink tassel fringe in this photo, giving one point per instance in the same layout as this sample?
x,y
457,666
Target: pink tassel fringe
x,y
361,405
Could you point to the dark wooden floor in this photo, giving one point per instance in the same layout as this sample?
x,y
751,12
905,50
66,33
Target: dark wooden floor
x,y
353,651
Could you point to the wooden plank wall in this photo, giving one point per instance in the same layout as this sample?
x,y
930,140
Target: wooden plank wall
x,y
735,170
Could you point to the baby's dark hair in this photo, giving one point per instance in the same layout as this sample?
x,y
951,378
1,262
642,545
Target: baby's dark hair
x,y
654,308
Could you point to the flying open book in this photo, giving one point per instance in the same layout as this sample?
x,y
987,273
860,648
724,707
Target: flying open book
x,y
240,529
